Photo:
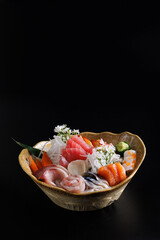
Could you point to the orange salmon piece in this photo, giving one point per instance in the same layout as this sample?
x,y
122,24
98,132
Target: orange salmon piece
x,y
107,174
121,171
113,168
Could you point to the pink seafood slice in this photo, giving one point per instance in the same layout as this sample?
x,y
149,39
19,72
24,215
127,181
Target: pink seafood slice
x,y
82,143
73,144
41,170
74,184
72,154
52,174
63,162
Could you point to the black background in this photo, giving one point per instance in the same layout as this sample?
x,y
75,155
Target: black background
x,y
93,67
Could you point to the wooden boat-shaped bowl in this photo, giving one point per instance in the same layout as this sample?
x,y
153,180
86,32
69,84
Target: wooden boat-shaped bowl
x,y
93,200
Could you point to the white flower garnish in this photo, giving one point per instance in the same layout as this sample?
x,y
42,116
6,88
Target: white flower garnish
x,y
75,131
102,156
59,142
59,128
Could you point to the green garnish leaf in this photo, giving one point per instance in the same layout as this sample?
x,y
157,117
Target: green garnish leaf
x,y
34,151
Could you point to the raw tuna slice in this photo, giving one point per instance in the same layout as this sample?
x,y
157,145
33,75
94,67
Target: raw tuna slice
x,y
82,143
73,144
71,154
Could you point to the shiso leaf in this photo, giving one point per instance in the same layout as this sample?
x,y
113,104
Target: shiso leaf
x,y
33,151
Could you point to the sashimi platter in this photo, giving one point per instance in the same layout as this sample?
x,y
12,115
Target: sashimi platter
x,y
77,164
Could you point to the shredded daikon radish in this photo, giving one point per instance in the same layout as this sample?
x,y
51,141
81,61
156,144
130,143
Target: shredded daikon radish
x,y
55,150
102,156
59,142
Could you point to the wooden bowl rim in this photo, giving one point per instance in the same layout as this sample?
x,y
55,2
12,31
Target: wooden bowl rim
x,y
24,154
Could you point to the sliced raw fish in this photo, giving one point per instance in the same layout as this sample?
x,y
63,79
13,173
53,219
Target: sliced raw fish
x,y
52,174
74,184
121,171
113,168
72,154
82,143
72,144
63,162
114,173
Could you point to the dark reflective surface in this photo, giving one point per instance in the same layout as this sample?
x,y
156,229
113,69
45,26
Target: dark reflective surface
x,y
58,66
134,216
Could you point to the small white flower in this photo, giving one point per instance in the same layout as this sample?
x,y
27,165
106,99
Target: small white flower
x,y
66,130
76,131
59,128
102,142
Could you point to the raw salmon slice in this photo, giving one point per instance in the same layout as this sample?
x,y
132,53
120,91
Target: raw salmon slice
x,y
121,171
106,173
72,154
113,168
113,173
82,143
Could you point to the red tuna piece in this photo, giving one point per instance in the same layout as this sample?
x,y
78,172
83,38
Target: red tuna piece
x,y
72,154
82,143
73,144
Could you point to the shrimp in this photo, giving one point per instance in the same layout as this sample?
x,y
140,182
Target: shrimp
x,y
129,159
